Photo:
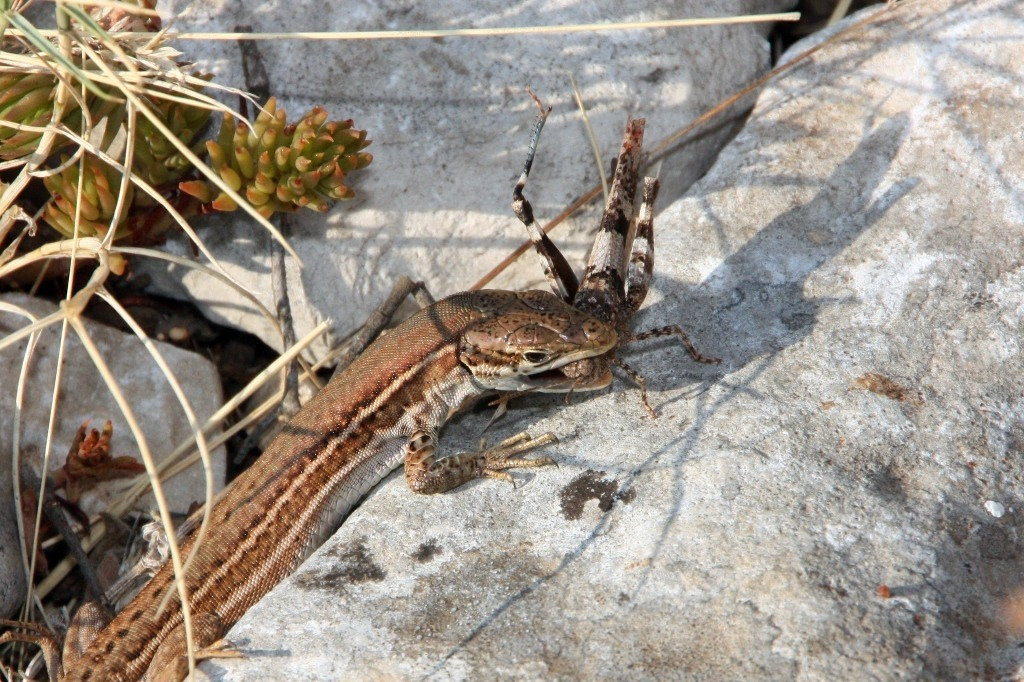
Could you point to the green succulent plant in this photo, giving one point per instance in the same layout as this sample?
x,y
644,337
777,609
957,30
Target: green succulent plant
x,y
282,167
155,160
96,203
27,99
158,161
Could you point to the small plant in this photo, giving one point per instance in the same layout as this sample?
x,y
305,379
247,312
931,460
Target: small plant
x,y
280,166
94,205
26,99
274,165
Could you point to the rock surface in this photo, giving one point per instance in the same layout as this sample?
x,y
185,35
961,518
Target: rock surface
x,y
84,396
12,576
451,122
816,507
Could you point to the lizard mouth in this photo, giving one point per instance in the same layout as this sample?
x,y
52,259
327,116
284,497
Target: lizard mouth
x,y
557,381
546,380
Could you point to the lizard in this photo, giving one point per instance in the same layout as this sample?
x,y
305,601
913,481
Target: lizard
x,y
386,408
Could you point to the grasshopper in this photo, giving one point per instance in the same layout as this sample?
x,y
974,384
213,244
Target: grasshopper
x,y
620,267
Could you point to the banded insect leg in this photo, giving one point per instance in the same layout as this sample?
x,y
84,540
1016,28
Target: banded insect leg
x,y
640,272
560,275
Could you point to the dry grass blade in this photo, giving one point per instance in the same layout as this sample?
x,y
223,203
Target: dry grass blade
x,y
186,407
147,458
591,137
184,455
39,41
468,32
181,457
495,31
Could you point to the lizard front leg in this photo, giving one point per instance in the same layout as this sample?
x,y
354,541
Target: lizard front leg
x,y
427,472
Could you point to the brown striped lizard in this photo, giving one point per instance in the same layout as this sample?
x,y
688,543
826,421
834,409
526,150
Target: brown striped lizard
x,y
386,408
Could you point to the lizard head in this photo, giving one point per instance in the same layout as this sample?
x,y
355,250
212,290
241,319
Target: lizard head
x,y
524,337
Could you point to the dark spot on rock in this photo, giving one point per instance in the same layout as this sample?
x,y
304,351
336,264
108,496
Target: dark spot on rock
x,y
654,76
836,589
978,300
888,482
797,321
994,543
957,527
354,565
591,485
426,551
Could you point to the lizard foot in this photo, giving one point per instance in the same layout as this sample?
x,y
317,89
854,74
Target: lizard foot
x,y
503,455
426,472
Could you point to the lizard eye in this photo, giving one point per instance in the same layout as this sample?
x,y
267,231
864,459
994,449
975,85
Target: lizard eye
x,y
535,357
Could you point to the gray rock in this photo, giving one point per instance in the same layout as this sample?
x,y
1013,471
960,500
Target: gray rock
x,y
12,576
813,509
451,121
85,397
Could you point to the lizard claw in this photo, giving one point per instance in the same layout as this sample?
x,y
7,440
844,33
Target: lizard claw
x,y
503,456
222,648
